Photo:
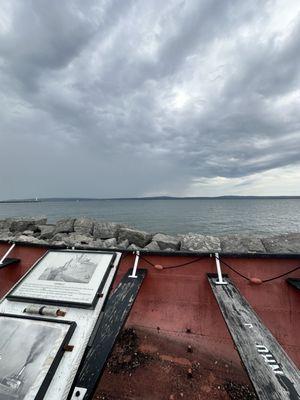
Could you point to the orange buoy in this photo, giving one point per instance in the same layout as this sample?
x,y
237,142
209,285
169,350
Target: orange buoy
x,y
158,266
256,281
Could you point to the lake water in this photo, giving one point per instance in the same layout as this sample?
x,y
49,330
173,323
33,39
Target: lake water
x,y
215,216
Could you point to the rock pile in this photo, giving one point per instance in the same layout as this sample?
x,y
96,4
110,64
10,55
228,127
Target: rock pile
x,y
87,233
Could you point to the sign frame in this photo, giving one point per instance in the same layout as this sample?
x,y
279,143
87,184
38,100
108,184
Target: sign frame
x,y
44,385
77,304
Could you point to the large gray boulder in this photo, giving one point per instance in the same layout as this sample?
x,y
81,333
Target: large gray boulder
x,y
28,233
60,237
152,246
5,223
123,245
110,243
105,230
242,244
24,224
166,241
95,244
200,243
65,225
46,231
6,234
29,239
84,226
75,238
289,243
134,236
133,247
58,243
71,239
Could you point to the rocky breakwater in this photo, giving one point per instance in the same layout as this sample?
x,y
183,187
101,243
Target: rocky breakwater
x,y
85,233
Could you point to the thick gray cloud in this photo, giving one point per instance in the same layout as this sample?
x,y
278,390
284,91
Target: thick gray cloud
x,y
126,98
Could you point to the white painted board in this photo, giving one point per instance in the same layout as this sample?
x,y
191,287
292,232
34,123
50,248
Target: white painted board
x,y
85,320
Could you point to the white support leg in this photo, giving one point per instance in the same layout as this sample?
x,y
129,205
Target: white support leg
x,y
7,253
220,280
136,261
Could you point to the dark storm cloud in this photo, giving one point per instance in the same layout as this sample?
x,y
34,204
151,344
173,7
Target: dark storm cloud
x,y
270,68
119,98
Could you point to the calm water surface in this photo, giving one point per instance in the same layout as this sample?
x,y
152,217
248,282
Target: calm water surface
x,y
264,216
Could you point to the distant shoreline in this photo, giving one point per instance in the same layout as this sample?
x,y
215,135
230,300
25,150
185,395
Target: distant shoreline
x,y
76,199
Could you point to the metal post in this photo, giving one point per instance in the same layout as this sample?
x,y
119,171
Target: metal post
x,y
220,280
7,253
136,261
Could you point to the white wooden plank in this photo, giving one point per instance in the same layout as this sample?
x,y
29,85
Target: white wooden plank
x,y
85,320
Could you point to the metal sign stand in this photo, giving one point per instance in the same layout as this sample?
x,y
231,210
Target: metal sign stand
x,y
220,280
4,262
135,265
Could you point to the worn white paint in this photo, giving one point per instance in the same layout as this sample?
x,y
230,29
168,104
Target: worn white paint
x,y
269,359
135,265
220,280
7,253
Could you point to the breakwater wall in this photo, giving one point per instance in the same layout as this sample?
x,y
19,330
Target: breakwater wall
x,y
85,233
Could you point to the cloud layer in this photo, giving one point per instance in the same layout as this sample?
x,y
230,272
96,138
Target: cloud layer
x,y
130,98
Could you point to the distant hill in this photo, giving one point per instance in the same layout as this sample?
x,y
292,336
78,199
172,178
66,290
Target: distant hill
x,y
72,199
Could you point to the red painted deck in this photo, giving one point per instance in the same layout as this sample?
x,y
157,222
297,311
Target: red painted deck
x,y
174,300
10,275
177,299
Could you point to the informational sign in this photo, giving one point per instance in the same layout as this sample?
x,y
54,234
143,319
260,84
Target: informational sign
x,y
30,352
70,278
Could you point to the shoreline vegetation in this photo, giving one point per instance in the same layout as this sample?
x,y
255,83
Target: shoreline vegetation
x,y
92,234
60,199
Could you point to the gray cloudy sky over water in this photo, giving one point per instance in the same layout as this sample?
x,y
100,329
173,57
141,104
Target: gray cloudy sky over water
x,y
133,98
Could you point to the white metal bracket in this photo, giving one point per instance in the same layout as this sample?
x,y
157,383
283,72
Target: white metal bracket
x,y
220,280
7,253
135,265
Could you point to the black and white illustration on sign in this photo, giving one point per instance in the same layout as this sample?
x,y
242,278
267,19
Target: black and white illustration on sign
x,y
29,350
79,269
65,277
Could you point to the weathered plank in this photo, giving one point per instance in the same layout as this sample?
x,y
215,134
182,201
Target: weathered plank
x,y
114,316
9,261
273,374
294,282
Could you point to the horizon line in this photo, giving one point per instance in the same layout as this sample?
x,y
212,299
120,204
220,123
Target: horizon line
x,y
44,199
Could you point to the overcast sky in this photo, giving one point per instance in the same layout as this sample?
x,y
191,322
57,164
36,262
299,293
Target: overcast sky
x,y
136,98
